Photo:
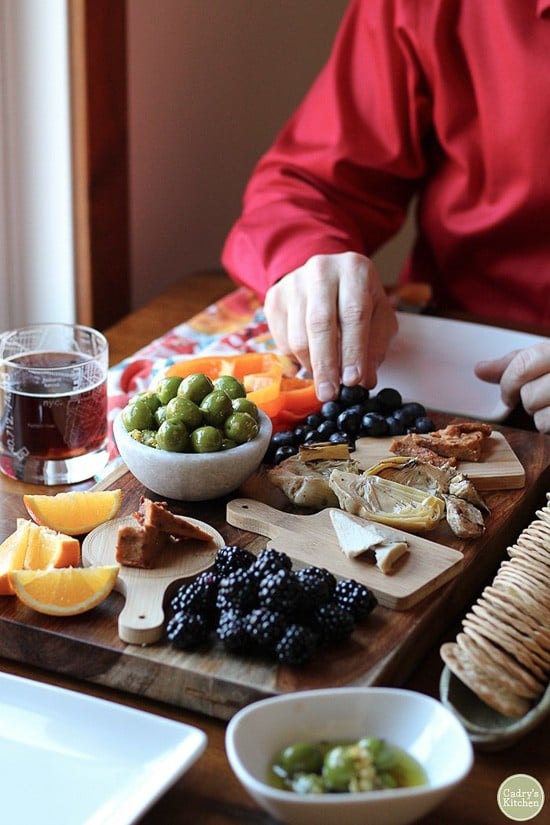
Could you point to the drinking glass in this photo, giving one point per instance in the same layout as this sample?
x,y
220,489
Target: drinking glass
x,y
53,403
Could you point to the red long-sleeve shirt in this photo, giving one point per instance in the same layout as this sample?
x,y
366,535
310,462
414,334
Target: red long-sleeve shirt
x,y
448,100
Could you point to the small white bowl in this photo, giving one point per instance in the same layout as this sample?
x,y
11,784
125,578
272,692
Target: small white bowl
x,y
192,476
415,722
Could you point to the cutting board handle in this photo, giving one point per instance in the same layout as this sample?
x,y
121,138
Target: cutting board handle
x,y
141,620
258,517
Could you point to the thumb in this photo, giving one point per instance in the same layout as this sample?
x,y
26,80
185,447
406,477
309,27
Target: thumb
x,y
491,371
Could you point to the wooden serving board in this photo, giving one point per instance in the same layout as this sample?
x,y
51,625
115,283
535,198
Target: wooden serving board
x,y
427,565
141,620
383,650
499,468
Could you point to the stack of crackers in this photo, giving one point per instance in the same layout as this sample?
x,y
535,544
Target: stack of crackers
x,y
503,653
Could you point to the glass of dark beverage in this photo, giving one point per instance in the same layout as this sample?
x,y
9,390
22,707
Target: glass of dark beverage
x,y
53,403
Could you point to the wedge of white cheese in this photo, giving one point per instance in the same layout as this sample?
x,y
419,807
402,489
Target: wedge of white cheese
x,y
355,539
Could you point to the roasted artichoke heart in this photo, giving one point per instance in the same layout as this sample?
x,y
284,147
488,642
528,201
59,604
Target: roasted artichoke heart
x,y
387,502
414,473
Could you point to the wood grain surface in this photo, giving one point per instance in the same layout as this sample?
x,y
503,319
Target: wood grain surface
x,y
384,650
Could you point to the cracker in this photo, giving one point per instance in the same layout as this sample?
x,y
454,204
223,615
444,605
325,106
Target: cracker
x,y
511,616
534,544
484,612
527,569
522,554
501,657
488,690
511,646
522,600
514,608
496,671
527,586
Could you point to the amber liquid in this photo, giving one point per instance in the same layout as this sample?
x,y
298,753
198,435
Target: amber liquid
x,y
63,422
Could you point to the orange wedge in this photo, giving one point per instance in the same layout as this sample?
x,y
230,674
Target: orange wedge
x,y
76,512
66,591
48,548
12,555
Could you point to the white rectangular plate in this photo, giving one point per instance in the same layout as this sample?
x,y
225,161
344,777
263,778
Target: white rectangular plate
x,y
431,360
75,759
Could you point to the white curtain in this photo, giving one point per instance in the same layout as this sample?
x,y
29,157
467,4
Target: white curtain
x,y
36,213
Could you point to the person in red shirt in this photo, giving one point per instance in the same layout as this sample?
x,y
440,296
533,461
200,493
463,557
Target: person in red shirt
x,y
442,101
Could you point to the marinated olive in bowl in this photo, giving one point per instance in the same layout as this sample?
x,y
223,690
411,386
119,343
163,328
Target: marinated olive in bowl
x,y
192,414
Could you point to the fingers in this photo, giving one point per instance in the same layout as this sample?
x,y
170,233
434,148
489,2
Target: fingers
x,y
523,375
333,316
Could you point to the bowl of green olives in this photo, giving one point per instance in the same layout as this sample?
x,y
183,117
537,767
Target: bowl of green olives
x,y
351,754
192,438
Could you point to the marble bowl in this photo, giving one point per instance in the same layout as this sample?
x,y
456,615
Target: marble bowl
x,y
417,723
192,476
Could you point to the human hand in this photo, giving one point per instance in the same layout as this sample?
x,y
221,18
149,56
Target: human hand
x,y
523,374
333,316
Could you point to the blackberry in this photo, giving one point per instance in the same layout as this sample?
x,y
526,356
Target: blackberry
x,y
232,557
237,590
355,597
269,561
316,587
198,597
279,591
296,646
188,630
332,623
264,628
232,632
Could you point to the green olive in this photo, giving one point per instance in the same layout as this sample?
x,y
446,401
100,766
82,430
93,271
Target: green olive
x,y
216,407
241,427
308,783
150,398
183,409
160,415
232,386
246,405
206,439
300,757
173,436
228,444
138,416
195,387
167,388
339,769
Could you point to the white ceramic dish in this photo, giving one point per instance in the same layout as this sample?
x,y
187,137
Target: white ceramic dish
x,y
432,360
192,476
415,722
78,760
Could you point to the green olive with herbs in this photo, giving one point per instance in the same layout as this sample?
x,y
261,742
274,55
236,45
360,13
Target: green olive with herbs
x,y
160,415
216,407
206,439
231,385
167,388
150,398
138,416
183,409
339,768
240,427
245,405
195,386
300,757
173,436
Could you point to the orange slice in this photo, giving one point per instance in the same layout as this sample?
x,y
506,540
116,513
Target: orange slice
x,y
66,591
12,555
76,512
48,548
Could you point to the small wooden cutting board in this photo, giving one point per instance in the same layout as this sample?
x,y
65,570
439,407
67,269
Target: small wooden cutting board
x,y
141,621
499,468
311,539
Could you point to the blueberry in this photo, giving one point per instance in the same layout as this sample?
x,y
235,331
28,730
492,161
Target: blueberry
x,y
313,420
281,453
312,436
413,410
395,425
326,429
389,399
284,438
374,425
331,410
424,425
349,422
352,395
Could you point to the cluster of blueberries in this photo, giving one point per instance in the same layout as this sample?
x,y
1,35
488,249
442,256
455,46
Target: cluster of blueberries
x,y
260,605
355,414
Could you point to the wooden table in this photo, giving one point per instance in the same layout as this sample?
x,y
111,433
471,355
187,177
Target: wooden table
x,y
208,793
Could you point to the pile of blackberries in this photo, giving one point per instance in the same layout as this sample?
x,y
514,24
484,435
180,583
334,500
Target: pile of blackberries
x,y
260,605
355,414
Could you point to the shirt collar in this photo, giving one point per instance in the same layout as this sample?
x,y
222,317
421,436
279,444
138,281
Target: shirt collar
x,y
543,6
